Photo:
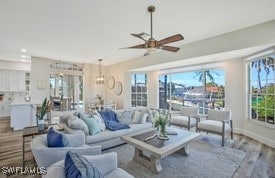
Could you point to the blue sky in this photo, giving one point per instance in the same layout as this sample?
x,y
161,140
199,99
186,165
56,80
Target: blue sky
x,y
263,77
187,78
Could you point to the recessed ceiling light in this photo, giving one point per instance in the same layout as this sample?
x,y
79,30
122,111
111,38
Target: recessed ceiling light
x,y
23,50
23,56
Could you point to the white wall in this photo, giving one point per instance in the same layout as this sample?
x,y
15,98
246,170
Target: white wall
x,y
40,71
90,88
235,100
153,88
235,91
121,73
12,65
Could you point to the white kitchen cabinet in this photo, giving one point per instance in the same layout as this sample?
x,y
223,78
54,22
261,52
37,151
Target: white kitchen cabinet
x,y
21,82
14,80
4,80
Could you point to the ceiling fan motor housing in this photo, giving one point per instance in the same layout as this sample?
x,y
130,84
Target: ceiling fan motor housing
x,y
151,9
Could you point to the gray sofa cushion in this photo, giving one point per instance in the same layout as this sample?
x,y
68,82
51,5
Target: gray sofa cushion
x,y
105,135
108,135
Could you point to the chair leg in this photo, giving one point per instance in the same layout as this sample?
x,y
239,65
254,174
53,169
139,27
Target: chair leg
x,y
222,139
231,125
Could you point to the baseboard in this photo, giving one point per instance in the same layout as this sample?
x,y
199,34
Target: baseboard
x,y
238,131
259,138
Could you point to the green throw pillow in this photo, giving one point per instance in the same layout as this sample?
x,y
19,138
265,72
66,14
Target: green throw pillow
x,y
92,125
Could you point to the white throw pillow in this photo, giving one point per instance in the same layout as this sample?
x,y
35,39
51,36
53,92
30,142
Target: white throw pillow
x,y
100,120
76,123
124,117
150,117
140,117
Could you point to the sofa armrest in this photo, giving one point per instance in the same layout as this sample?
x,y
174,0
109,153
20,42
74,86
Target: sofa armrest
x,y
46,156
76,139
104,162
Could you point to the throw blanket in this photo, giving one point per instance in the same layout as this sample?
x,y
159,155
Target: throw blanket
x,y
111,121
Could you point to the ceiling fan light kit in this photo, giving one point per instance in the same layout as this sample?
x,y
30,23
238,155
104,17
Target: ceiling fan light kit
x,y
151,43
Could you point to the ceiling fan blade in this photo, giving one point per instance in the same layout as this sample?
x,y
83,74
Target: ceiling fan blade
x,y
137,46
170,48
170,39
140,36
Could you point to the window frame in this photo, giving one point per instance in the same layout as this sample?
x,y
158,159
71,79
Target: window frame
x,y
250,94
139,100
215,66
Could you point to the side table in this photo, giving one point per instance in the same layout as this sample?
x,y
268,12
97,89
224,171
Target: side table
x,y
32,131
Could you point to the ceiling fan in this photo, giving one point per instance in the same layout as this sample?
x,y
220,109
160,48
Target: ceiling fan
x,y
151,44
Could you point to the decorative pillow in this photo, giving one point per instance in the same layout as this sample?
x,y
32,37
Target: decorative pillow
x,y
54,139
124,117
78,166
92,125
82,115
100,120
150,114
64,118
76,113
76,123
140,117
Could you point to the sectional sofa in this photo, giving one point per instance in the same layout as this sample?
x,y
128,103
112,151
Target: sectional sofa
x,y
137,118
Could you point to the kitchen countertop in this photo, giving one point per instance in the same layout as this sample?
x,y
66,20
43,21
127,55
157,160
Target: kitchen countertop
x,y
22,103
4,102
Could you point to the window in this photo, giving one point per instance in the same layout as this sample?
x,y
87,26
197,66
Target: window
x,y
202,88
261,95
139,90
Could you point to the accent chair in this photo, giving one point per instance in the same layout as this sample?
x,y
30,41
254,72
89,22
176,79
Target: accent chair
x,y
217,122
187,117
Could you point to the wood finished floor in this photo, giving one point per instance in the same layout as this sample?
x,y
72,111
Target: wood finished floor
x,y
259,161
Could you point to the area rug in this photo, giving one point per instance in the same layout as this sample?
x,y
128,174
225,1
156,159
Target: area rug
x,y
204,160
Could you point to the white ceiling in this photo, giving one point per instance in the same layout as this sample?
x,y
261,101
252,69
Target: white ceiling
x,y
86,30
204,60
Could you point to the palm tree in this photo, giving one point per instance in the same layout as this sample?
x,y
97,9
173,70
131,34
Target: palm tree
x,y
204,74
266,63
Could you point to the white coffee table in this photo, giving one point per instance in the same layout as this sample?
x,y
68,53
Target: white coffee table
x,y
156,148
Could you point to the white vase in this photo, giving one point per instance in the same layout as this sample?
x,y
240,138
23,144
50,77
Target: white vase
x,y
40,124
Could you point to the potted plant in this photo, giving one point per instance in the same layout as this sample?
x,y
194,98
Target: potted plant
x,y
40,115
160,123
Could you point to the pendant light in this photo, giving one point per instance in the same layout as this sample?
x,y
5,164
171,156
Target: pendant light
x,y
100,77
